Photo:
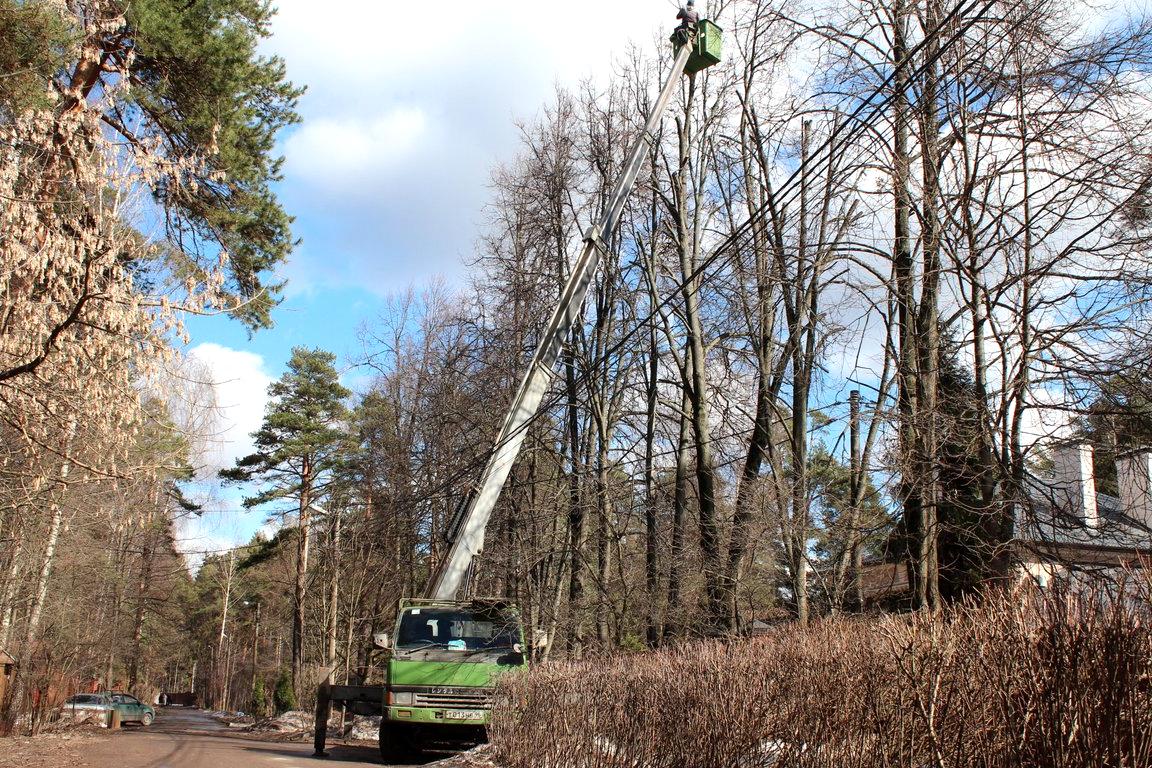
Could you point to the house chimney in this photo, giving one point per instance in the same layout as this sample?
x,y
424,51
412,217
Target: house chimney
x,y
1074,484
1134,471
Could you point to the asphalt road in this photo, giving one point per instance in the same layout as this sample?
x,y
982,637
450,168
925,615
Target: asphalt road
x,y
188,738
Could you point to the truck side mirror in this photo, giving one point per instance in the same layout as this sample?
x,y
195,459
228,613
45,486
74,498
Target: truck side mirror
x,y
539,638
382,640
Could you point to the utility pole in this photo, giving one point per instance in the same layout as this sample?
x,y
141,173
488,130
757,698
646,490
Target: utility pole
x,y
855,493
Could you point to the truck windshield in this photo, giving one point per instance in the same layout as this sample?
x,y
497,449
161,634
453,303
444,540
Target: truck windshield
x,y
457,629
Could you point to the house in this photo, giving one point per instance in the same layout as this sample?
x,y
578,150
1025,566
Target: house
x,y
1067,531
759,628
7,666
1072,530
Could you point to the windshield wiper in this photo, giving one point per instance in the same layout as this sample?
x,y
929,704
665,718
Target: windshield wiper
x,y
448,646
424,647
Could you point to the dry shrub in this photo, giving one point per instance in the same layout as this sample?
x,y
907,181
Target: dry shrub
x,y
1056,680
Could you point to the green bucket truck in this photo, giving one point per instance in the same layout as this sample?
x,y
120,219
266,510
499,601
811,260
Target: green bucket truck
x,y
446,653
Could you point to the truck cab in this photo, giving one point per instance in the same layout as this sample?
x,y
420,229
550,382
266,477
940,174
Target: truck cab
x,y
446,658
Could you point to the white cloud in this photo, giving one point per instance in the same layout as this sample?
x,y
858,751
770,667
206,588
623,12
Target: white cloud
x,y
219,422
241,386
347,48
330,151
408,110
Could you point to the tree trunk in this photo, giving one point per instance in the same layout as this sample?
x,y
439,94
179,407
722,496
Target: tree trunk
x,y
40,595
696,376
11,586
603,534
56,510
300,587
651,513
142,585
576,531
672,617
220,660
928,325
802,314
904,275
846,579
333,595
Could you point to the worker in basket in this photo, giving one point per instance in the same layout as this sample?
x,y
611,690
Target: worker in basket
x,y
689,19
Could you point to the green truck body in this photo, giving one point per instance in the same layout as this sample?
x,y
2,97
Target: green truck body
x,y
446,659
441,692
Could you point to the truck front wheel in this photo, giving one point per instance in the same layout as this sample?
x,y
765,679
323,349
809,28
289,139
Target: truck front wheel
x,y
397,743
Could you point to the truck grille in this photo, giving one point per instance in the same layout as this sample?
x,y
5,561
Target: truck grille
x,y
477,700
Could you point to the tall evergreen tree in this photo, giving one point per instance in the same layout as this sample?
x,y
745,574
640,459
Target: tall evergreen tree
x,y
202,111
972,531
32,41
299,447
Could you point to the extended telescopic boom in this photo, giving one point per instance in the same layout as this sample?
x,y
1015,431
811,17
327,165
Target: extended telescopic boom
x,y
408,674
469,539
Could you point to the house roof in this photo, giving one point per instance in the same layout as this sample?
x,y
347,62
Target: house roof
x,y
6,658
1045,523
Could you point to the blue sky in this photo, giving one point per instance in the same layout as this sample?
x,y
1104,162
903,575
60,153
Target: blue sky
x,y
408,110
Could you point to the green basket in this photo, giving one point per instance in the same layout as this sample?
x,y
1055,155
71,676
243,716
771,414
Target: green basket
x,y
707,49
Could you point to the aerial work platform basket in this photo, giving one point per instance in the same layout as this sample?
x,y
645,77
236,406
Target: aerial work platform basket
x,y
706,46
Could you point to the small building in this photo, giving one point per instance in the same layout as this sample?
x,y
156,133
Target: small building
x,y
759,628
7,667
1073,531
1066,532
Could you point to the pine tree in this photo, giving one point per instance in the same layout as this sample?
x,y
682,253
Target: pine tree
x,y
972,531
259,698
283,697
202,112
298,450
32,41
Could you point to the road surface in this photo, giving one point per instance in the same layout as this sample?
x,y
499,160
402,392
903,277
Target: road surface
x,y
180,738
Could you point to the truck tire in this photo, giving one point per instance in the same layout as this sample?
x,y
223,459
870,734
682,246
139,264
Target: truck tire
x,y
396,743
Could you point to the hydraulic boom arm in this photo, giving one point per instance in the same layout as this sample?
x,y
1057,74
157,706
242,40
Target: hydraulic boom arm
x,y
469,539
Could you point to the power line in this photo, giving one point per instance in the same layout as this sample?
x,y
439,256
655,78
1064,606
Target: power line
x,y
844,131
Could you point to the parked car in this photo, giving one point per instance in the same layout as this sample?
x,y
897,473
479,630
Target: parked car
x,y
131,709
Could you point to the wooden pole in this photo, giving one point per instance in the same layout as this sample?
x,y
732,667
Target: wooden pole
x,y
855,493
323,710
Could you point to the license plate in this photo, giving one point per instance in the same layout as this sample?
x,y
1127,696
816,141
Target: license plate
x,y
463,714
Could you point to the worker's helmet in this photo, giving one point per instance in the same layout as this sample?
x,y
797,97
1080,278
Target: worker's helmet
x,y
691,3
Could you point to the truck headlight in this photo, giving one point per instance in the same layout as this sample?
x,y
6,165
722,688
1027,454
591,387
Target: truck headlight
x,y
402,698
